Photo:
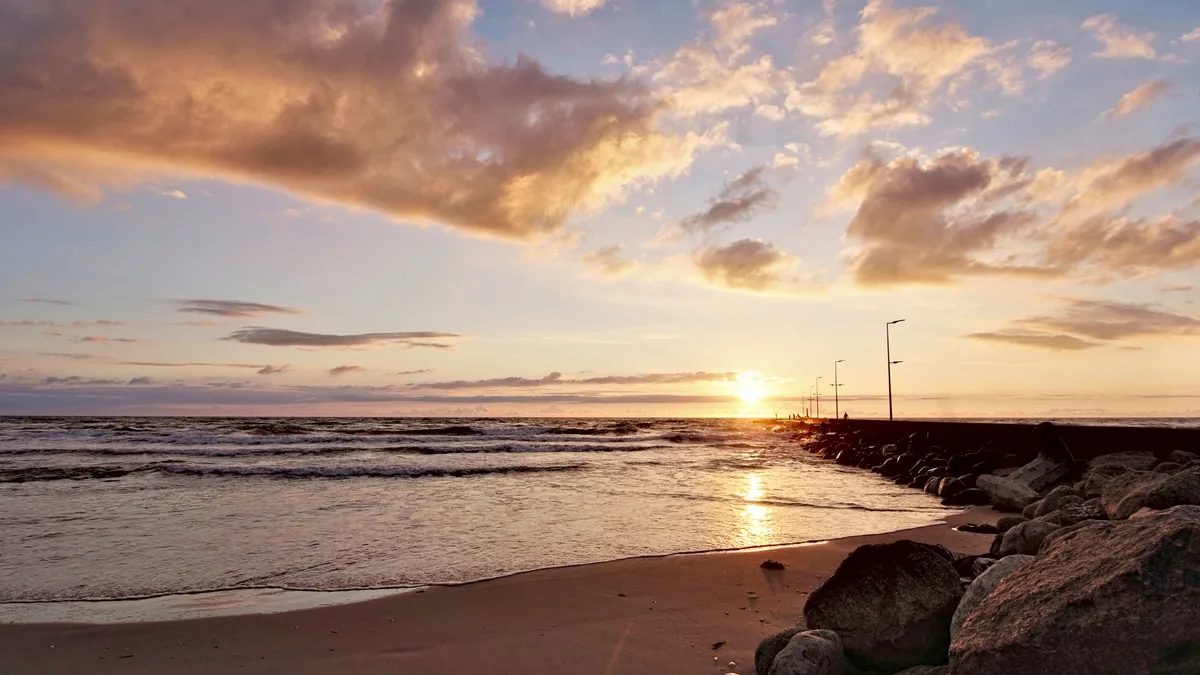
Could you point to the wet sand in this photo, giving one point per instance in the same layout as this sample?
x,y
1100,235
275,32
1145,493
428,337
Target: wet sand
x,y
629,617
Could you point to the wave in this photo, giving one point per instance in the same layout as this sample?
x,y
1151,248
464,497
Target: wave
x,y
41,474
312,450
361,471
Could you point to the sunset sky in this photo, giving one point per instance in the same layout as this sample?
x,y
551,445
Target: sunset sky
x,y
599,207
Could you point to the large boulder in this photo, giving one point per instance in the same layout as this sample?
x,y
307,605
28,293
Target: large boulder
x,y
891,604
813,652
770,647
1053,464
1071,514
1135,461
1009,522
1126,494
1007,493
1058,497
1105,597
1026,538
983,585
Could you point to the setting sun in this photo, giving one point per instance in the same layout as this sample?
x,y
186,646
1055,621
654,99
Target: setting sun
x,y
750,387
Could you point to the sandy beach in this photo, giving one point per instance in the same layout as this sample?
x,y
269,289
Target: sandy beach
x,y
627,617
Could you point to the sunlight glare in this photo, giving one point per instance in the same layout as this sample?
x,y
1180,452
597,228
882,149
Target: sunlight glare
x,y
750,387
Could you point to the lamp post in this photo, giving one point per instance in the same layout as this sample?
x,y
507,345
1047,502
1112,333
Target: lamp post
x,y
818,388
888,336
837,413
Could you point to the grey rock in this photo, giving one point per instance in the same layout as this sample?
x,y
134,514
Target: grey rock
x,y
981,565
891,604
1025,538
813,652
1043,472
983,585
1053,501
1137,461
770,647
1030,512
1069,500
1075,513
1182,456
1006,492
1124,494
1168,467
1128,493
1105,597
1009,522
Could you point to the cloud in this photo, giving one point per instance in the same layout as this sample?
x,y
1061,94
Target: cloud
x,y
420,371
918,60
1051,341
556,379
1193,36
100,339
937,220
173,194
719,73
1108,320
231,308
48,301
345,370
274,370
193,364
609,262
1177,288
746,265
1048,57
1119,41
573,7
741,200
1141,97
77,380
932,220
57,324
388,105
141,381
278,337
72,356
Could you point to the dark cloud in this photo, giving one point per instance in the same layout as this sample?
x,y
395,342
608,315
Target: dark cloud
x,y
1051,341
274,370
278,337
102,339
191,364
422,371
746,265
346,370
231,308
77,380
58,324
390,105
556,379
44,301
741,200
72,356
141,381
1128,245
609,261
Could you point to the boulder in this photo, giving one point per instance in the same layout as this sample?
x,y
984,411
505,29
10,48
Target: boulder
x,y
931,485
1136,461
1074,513
1098,477
1044,508
1007,493
983,585
1167,467
982,564
927,670
813,652
1053,464
891,603
764,656
1025,538
970,497
1182,456
950,487
1030,512
1106,597
1009,522
1053,500
1128,493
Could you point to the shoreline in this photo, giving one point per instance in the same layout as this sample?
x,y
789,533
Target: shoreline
x,y
657,614
334,597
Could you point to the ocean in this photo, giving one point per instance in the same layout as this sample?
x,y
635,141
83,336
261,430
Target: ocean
x,y
262,509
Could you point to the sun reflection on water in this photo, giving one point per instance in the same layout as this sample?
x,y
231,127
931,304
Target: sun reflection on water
x,y
757,526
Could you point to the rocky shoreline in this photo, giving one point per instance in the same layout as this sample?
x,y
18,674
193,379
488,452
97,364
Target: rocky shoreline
x,y
1097,571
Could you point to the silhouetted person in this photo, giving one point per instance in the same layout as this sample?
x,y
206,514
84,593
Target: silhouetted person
x,y
846,416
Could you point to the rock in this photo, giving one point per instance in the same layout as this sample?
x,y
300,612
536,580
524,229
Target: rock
x,y
1107,597
1025,538
1144,512
1167,467
1074,513
931,485
891,603
1009,522
772,565
978,528
1182,456
1126,494
968,480
1007,493
981,565
918,482
1030,512
950,487
1098,477
965,566
1136,461
927,670
983,585
1069,500
813,652
1053,464
764,656
1053,500
971,497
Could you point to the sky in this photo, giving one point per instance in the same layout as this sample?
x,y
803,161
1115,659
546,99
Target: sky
x,y
599,207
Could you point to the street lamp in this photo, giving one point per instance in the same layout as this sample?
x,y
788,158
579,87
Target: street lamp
x,y
818,388
888,336
837,413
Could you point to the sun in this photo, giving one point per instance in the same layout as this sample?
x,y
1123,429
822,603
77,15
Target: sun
x,y
750,387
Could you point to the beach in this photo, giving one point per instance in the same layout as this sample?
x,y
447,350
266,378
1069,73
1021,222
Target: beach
x,y
627,617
